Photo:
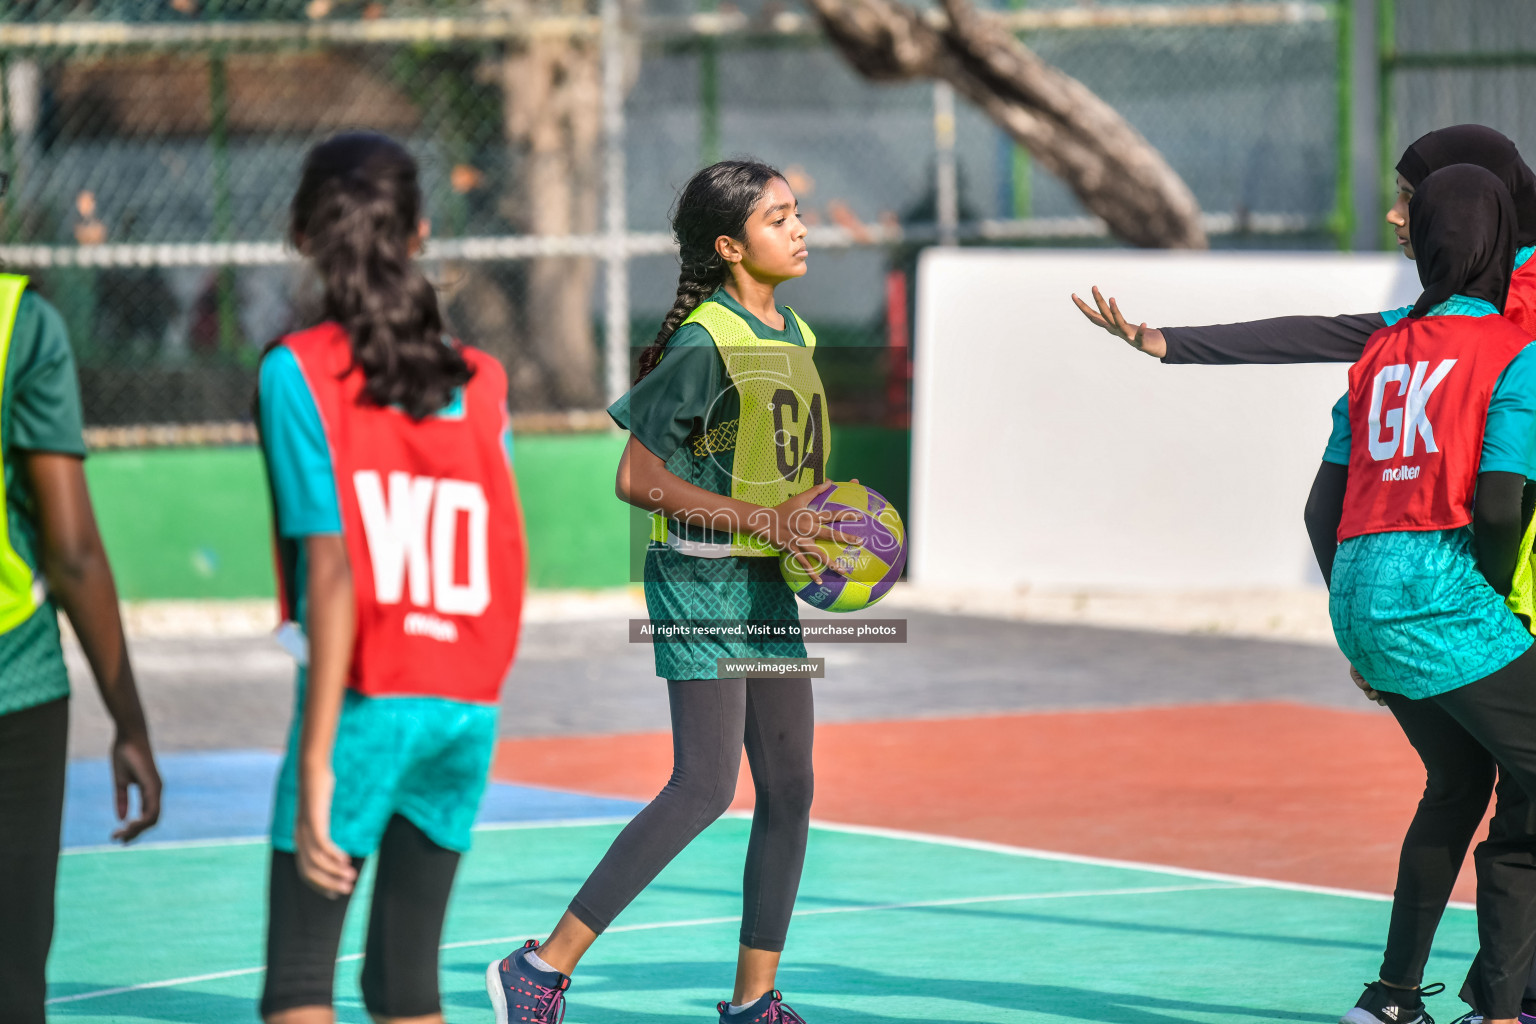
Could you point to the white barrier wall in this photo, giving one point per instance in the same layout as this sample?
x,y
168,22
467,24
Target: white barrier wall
x,y
1048,454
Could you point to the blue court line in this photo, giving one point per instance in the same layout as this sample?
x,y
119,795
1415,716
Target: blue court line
x,y
228,795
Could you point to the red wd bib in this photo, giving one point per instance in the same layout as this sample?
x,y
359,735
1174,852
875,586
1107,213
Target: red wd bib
x,y
433,528
1418,402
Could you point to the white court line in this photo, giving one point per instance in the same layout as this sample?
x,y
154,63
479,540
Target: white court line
x,y
930,838
1247,881
200,844
690,923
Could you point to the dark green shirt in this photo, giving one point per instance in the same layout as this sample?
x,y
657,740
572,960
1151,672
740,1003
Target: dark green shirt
x,y
686,409
39,411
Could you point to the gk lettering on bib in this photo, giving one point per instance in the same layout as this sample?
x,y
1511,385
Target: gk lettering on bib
x,y
1418,403
432,526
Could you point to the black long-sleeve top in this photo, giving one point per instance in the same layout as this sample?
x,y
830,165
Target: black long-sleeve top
x,y
1281,339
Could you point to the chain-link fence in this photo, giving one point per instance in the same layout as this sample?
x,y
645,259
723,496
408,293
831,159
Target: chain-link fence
x,y
1453,63
154,145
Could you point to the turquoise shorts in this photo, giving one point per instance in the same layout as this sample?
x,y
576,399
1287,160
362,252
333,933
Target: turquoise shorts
x,y
1414,615
423,758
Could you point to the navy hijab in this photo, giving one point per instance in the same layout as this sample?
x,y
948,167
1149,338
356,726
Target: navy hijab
x,y
1461,221
1480,145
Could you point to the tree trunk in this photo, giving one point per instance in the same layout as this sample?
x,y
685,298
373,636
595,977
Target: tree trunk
x,y
1075,135
537,315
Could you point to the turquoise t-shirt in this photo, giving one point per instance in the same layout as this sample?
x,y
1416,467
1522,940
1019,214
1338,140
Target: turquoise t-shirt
x,y
39,411
1410,609
424,758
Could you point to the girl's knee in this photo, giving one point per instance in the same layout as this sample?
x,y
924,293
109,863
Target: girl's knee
x,y
791,794
701,798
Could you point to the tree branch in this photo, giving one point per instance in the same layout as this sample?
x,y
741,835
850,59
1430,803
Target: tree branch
x,y
1073,134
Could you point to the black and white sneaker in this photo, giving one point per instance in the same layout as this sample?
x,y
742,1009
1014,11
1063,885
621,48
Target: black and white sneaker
x,y
1469,1018
1383,1004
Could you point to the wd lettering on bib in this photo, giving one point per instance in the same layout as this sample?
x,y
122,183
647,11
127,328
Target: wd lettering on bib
x,y
432,526
1418,402
397,528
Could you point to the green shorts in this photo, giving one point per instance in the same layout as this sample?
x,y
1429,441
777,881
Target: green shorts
x,y
679,587
423,758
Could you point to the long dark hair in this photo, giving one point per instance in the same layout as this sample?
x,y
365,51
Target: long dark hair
x,y
355,215
716,201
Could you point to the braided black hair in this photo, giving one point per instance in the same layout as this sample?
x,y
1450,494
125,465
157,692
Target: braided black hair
x,y
716,201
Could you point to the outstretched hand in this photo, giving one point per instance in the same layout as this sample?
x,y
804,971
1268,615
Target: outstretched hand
x,y
1108,316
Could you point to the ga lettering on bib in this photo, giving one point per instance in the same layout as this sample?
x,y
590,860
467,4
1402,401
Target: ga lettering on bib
x,y
783,442
1418,405
432,526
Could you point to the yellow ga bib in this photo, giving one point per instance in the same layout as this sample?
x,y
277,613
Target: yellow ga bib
x,y
782,437
21,592
1522,591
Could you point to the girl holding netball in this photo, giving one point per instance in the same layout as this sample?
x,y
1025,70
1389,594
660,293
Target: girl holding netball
x,y
728,443
401,554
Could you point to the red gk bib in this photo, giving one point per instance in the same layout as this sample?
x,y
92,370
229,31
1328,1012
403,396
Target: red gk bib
x,y
1418,403
432,525
1520,307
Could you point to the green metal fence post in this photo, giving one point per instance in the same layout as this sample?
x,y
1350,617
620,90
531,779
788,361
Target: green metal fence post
x,y
1022,168
1386,55
223,212
1343,218
709,93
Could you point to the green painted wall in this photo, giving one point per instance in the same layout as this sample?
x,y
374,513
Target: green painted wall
x,y
194,522
184,522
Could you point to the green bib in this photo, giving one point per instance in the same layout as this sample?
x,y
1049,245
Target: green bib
x,y
782,440
1522,590
21,591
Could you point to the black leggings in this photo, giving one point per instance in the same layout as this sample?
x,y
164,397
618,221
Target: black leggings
x,y
1497,713
32,752
711,719
1459,779
405,926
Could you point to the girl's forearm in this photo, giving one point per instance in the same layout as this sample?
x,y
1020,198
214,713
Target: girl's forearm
x,y
678,499
1496,527
1325,508
89,598
74,564
330,623
646,483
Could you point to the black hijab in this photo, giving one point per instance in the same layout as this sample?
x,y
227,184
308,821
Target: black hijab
x,y
1461,221
1480,145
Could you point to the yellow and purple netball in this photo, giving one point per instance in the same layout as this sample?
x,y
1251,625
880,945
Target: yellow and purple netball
x,y
853,576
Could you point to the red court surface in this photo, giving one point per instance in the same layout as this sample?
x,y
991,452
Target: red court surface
x,y
1271,790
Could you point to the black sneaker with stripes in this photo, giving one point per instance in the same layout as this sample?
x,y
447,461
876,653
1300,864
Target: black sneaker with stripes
x,y
1383,1004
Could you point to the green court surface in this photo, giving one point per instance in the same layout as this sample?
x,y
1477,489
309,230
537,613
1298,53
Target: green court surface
x,y
887,928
